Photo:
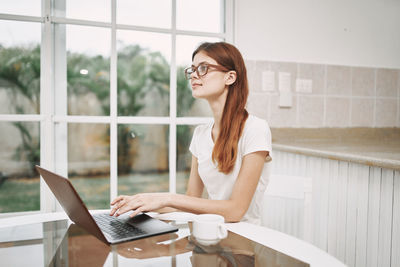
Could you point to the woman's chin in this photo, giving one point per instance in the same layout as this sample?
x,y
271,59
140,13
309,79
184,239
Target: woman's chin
x,y
196,94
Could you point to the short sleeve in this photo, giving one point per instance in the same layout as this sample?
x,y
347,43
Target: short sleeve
x,y
192,147
257,137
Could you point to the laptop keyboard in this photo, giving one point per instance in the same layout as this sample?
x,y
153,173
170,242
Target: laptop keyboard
x,y
116,228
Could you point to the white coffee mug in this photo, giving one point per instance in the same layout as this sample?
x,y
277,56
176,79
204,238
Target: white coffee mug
x,y
209,229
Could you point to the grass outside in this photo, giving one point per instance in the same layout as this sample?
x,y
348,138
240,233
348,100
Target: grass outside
x,y
24,194
19,195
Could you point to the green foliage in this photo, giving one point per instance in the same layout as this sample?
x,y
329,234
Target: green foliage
x,y
96,81
185,101
139,72
20,74
132,80
29,149
184,93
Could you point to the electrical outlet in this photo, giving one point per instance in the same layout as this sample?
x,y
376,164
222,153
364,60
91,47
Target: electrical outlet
x,y
304,86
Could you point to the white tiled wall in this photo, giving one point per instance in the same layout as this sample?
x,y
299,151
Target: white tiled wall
x,y
342,96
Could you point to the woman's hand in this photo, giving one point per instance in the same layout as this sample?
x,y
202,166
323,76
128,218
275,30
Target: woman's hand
x,y
139,203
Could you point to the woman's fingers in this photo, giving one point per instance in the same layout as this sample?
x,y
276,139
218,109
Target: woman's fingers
x,y
138,203
118,203
127,207
117,199
136,212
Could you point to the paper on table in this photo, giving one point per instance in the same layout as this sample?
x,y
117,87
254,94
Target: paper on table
x,y
173,216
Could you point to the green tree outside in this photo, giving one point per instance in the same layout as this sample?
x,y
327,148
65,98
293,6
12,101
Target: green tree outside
x,y
139,72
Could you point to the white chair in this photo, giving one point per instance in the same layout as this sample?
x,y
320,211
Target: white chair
x,y
287,205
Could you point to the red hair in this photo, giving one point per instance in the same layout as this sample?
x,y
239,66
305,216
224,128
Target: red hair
x,y
234,114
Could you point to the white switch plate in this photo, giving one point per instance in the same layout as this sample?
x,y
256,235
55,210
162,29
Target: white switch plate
x,y
284,82
268,81
285,99
304,86
285,91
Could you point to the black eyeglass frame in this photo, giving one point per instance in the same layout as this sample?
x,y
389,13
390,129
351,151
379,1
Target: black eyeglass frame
x,y
188,74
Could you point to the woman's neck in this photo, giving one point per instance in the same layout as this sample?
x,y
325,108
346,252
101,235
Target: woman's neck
x,y
217,108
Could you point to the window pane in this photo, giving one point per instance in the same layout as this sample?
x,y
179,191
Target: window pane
x,y
143,73
21,7
88,70
89,163
19,67
142,158
150,13
96,10
202,16
19,153
184,135
186,104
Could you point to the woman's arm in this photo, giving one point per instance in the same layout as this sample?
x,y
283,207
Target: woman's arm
x,y
195,186
236,206
232,209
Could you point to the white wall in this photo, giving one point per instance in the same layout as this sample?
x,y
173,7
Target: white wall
x,y
339,32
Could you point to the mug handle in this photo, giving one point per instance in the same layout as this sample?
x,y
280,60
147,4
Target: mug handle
x,y
222,231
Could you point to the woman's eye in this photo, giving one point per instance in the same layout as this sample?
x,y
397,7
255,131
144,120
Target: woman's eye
x,y
202,68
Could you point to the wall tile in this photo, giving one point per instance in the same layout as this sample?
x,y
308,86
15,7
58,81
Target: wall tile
x,y
349,96
337,112
338,80
251,73
386,112
256,76
363,81
311,111
362,112
285,67
282,117
316,73
387,82
258,104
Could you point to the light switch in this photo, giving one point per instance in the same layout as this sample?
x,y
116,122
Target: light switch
x,y
284,82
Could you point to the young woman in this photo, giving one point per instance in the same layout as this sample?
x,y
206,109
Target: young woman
x,y
229,156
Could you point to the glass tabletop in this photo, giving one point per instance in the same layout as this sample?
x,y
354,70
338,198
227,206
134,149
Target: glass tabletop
x,y
59,243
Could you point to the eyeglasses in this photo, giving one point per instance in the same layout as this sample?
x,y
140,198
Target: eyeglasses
x,y
201,70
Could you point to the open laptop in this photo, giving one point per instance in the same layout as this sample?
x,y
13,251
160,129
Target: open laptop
x,y
109,229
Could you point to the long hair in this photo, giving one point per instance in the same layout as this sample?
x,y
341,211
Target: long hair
x,y
234,114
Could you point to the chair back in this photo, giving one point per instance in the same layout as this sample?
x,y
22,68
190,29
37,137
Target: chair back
x,y
286,205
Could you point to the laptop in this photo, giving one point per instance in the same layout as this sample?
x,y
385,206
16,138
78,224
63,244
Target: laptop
x,y
108,229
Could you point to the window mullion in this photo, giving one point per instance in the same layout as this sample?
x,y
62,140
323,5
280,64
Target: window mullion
x,y
172,104
113,106
47,149
60,94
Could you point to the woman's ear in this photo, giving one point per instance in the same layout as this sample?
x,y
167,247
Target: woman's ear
x,y
230,77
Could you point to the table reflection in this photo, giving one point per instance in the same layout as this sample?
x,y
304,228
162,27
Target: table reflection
x,y
70,245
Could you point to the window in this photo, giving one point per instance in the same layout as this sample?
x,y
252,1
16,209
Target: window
x,y
95,91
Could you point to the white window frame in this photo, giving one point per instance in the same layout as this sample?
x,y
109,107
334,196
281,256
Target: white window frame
x,y
53,116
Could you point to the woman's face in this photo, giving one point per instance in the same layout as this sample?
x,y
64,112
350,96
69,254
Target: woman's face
x,y
213,84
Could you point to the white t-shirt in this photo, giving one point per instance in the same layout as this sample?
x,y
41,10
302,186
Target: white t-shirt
x,y
256,136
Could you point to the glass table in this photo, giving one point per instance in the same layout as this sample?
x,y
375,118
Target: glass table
x,y
60,243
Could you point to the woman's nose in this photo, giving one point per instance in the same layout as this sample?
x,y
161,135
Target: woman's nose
x,y
194,75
